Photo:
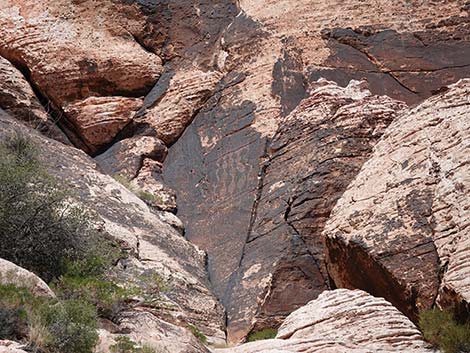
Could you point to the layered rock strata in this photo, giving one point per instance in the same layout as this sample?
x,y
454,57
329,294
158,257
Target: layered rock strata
x,y
342,321
401,230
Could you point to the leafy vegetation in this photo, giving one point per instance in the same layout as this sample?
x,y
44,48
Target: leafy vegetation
x,y
442,331
198,334
51,326
41,229
262,335
86,280
142,194
125,345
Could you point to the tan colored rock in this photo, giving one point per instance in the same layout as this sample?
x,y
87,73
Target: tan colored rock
x,y
137,161
19,277
18,98
173,102
127,156
7,346
99,119
150,180
342,321
403,223
76,50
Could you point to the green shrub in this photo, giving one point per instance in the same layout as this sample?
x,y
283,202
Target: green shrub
x,y
50,326
13,316
198,334
124,181
441,330
40,229
87,280
264,334
71,326
125,345
142,194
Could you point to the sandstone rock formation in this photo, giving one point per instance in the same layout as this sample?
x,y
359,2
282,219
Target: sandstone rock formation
x,y
215,81
19,277
18,98
11,347
154,247
271,55
316,152
342,321
83,58
401,230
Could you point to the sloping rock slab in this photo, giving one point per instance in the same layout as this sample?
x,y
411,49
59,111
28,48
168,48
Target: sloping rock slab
x,y
342,321
403,223
19,277
154,246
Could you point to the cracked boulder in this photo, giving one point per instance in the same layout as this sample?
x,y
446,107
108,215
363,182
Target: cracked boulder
x,y
271,54
318,149
81,56
342,321
401,230
154,246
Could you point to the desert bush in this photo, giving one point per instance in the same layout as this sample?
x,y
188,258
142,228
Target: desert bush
x,y
40,228
70,326
264,334
125,345
198,334
87,280
441,330
48,325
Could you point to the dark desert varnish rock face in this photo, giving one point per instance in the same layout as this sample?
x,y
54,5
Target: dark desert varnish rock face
x,y
274,234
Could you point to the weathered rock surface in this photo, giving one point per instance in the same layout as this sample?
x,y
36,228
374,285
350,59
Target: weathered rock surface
x,y
214,80
173,102
76,50
99,119
154,247
317,151
11,347
401,230
342,321
19,277
271,55
127,156
137,161
18,98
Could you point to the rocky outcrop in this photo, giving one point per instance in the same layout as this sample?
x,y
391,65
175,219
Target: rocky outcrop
x,y
317,151
154,246
214,81
173,103
270,63
83,59
401,229
11,347
343,321
18,98
11,274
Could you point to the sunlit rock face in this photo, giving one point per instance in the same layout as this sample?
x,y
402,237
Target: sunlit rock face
x,y
401,229
342,321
